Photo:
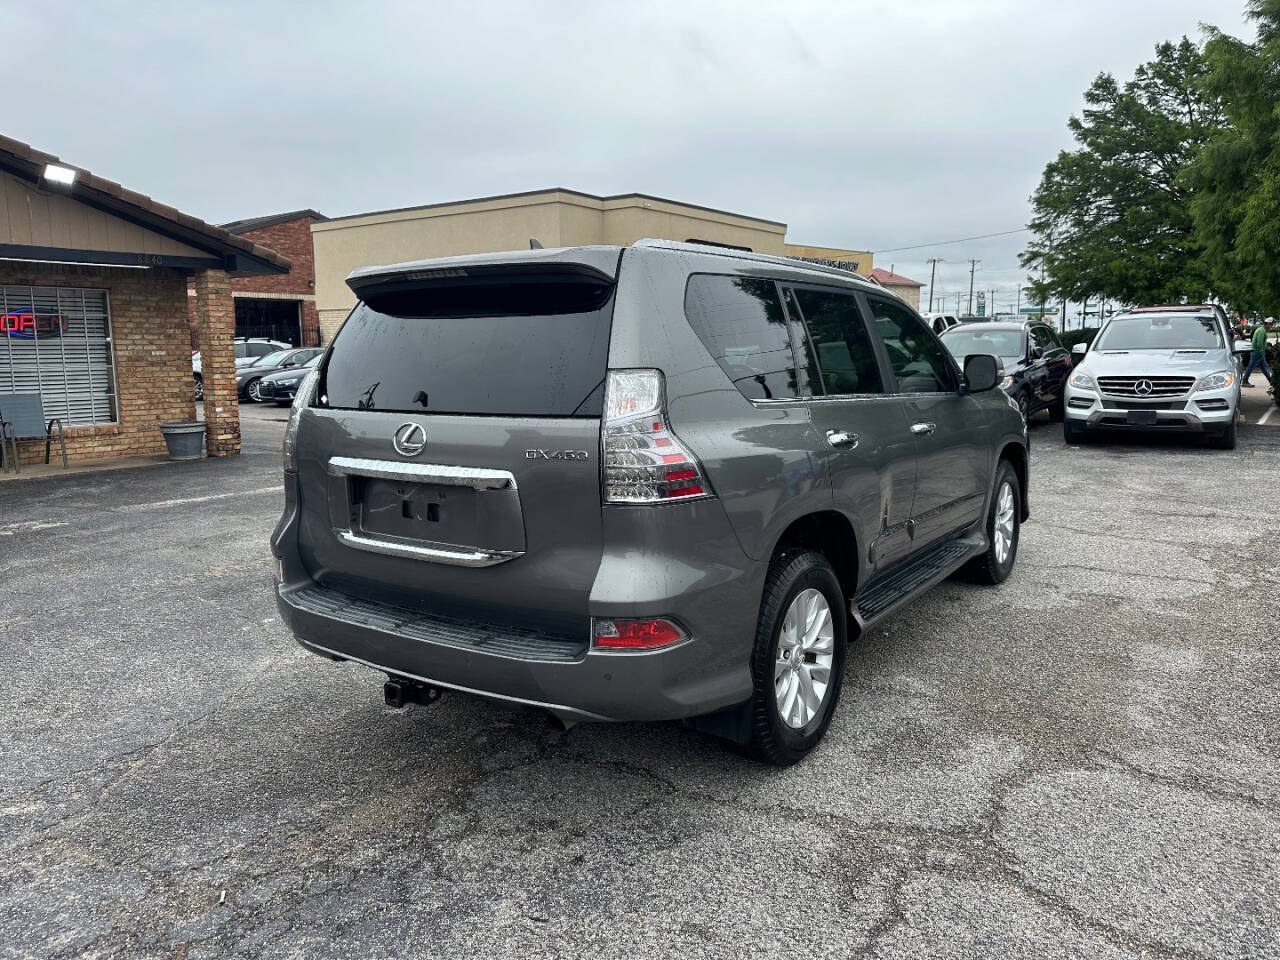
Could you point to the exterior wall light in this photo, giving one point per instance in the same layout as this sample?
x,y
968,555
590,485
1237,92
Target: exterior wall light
x,y
59,174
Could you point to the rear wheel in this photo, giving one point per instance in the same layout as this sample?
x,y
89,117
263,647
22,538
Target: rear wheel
x,y
1004,527
253,390
1058,409
798,661
199,387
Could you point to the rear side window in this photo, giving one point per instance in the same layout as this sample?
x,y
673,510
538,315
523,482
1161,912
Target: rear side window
x,y
530,345
741,323
845,357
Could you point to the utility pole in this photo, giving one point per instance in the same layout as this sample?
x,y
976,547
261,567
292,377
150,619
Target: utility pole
x,y
973,265
1018,309
933,271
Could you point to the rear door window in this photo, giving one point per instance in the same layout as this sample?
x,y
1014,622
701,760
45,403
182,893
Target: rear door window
x,y
842,355
533,344
741,323
919,361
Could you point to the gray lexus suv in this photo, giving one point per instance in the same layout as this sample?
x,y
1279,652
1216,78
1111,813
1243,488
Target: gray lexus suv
x,y
636,483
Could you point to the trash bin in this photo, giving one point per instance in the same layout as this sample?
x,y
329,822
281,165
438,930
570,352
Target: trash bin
x,y
184,440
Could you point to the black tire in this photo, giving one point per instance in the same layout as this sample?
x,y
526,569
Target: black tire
x,y
1024,405
199,386
1058,409
1226,440
791,573
1073,432
251,390
989,568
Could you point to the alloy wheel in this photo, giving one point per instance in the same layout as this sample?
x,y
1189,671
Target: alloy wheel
x,y
1003,534
254,390
806,646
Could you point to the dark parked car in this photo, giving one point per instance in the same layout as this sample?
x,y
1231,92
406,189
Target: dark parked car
x,y
1036,365
249,377
642,483
281,386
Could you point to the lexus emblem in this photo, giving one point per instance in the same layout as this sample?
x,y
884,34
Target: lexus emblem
x,y
1142,388
410,439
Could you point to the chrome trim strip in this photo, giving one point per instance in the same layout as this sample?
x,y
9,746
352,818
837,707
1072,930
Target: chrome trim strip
x,y
475,477
457,558
554,707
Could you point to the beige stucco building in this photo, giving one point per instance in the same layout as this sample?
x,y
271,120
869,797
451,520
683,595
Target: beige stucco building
x,y
858,261
555,218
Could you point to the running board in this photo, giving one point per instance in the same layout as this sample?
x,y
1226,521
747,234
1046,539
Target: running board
x,y
885,593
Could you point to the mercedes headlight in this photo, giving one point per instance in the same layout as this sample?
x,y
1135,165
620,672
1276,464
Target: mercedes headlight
x,y
1217,381
1082,381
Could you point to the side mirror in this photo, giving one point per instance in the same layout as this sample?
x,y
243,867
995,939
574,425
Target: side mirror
x,y
980,372
1080,349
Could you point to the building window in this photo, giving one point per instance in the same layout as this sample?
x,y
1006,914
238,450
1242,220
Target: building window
x,y
56,341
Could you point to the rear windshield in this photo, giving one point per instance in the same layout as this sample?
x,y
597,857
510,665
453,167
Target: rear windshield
x,y
525,347
1158,331
963,341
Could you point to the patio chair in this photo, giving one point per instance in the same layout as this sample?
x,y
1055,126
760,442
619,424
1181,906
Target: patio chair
x,y
22,418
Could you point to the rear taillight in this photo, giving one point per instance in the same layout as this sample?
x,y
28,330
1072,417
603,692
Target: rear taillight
x,y
644,461
635,634
300,400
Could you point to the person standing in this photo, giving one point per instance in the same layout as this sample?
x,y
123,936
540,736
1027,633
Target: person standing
x,y
1258,355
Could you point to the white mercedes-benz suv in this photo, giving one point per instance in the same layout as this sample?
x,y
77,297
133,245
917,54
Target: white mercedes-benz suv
x,y
1156,371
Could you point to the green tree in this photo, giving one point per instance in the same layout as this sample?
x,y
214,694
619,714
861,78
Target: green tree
x,y
1235,178
1111,217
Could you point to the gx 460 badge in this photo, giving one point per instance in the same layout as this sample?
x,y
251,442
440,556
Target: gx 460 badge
x,y
555,455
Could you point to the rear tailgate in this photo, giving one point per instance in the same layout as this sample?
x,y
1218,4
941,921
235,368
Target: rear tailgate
x,y
449,461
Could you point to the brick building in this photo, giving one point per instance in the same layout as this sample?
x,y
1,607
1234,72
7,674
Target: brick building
x,y
280,306
94,308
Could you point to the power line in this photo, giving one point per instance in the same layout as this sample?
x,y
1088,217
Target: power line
x,y
939,243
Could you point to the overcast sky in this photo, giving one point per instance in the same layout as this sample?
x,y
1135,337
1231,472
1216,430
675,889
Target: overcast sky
x,y
865,125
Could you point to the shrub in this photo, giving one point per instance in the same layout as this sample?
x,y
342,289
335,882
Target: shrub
x,y
1070,338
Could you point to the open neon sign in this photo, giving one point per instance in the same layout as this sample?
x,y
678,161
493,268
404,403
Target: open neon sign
x,y
26,325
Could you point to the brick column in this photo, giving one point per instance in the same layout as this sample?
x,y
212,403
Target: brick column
x,y
216,321
310,325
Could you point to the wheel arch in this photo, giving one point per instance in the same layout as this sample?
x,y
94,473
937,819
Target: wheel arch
x,y
830,533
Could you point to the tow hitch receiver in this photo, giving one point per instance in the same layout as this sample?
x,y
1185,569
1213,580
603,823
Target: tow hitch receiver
x,y
399,692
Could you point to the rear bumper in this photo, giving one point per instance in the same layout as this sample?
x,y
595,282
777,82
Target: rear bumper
x,y
716,602
661,685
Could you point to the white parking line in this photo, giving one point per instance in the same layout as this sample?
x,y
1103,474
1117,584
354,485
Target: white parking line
x,y
183,501
29,526
1266,416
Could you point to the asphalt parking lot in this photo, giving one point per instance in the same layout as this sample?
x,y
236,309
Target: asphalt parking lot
x,y
1083,762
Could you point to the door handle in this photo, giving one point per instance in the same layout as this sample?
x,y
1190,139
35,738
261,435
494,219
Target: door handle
x,y
842,440
923,429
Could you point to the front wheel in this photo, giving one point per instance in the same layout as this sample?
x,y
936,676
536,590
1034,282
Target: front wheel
x,y
253,390
1024,406
1072,432
199,387
1004,527
798,661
